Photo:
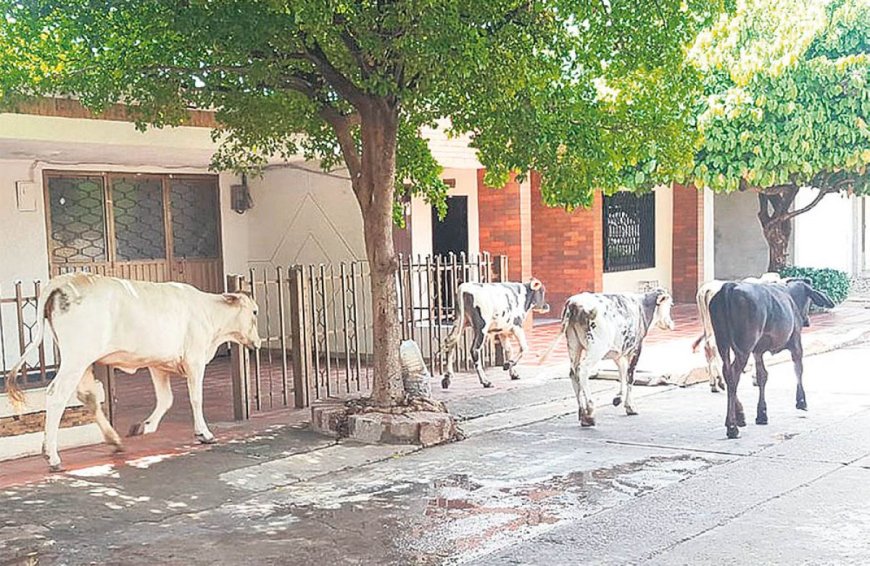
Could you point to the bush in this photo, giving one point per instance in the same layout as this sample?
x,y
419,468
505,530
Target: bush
x,y
832,282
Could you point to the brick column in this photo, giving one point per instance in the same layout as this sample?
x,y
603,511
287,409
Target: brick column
x,y
688,248
504,218
568,248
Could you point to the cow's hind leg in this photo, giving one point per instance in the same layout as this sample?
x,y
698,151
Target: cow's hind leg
x,y
87,394
622,366
714,366
194,387
57,395
629,383
451,343
736,416
797,357
163,394
476,346
761,380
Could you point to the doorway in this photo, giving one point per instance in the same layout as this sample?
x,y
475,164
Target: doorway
x,y
450,235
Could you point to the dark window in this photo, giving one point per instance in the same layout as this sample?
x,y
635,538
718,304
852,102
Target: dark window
x,y
629,231
194,218
78,220
137,205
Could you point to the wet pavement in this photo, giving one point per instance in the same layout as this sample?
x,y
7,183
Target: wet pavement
x,y
529,486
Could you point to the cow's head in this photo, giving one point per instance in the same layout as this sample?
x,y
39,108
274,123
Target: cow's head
x,y
662,314
243,325
803,294
535,299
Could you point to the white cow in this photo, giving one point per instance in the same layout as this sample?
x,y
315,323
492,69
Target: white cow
x,y
711,353
170,328
493,309
602,326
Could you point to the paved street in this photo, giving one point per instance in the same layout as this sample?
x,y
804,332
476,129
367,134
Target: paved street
x,y
528,486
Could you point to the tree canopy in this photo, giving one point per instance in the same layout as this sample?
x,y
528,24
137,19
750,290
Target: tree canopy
x,y
592,95
786,105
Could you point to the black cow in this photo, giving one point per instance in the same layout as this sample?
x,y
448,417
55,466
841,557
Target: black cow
x,y
751,319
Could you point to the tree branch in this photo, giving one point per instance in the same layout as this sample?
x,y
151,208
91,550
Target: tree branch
x,y
334,77
343,125
352,44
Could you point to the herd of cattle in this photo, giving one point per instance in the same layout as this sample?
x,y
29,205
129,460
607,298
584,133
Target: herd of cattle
x,y
741,320
173,328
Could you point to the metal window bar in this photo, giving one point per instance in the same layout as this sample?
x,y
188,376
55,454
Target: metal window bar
x,y
629,231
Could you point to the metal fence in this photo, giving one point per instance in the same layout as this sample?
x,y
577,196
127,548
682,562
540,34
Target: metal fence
x,y
18,320
316,326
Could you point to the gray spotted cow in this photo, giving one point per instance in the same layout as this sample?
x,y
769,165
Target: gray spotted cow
x,y
601,326
493,310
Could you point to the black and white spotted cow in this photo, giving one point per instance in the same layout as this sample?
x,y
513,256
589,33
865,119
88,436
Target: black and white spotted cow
x,y
493,309
601,326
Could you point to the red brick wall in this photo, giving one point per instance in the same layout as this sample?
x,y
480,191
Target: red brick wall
x,y
501,216
567,253
688,257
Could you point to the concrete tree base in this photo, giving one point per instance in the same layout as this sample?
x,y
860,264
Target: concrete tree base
x,y
399,426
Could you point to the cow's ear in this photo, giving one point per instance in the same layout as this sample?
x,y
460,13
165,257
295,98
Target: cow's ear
x,y
232,299
662,298
535,284
821,299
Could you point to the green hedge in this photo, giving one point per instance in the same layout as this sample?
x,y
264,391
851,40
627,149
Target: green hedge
x,y
832,282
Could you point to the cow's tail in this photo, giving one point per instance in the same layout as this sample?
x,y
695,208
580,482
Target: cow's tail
x,y
721,320
12,390
563,326
697,343
452,339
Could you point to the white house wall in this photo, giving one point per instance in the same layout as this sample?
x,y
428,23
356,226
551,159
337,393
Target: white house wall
x,y
823,236
741,249
632,281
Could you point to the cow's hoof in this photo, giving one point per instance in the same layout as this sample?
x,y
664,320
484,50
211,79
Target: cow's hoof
x,y
515,376
445,383
761,420
587,421
741,420
733,432
487,384
714,388
802,405
630,412
203,439
55,468
617,401
137,429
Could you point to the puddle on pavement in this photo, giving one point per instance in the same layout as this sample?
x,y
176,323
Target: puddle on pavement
x,y
466,517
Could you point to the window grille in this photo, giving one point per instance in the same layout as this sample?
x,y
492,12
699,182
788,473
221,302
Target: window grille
x,y
629,231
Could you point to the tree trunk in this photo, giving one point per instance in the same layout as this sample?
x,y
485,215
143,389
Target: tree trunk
x,y
775,218
777,235
375,191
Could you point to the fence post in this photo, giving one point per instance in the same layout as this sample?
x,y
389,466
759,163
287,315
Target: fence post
x,y
501,267
239,365
298,342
